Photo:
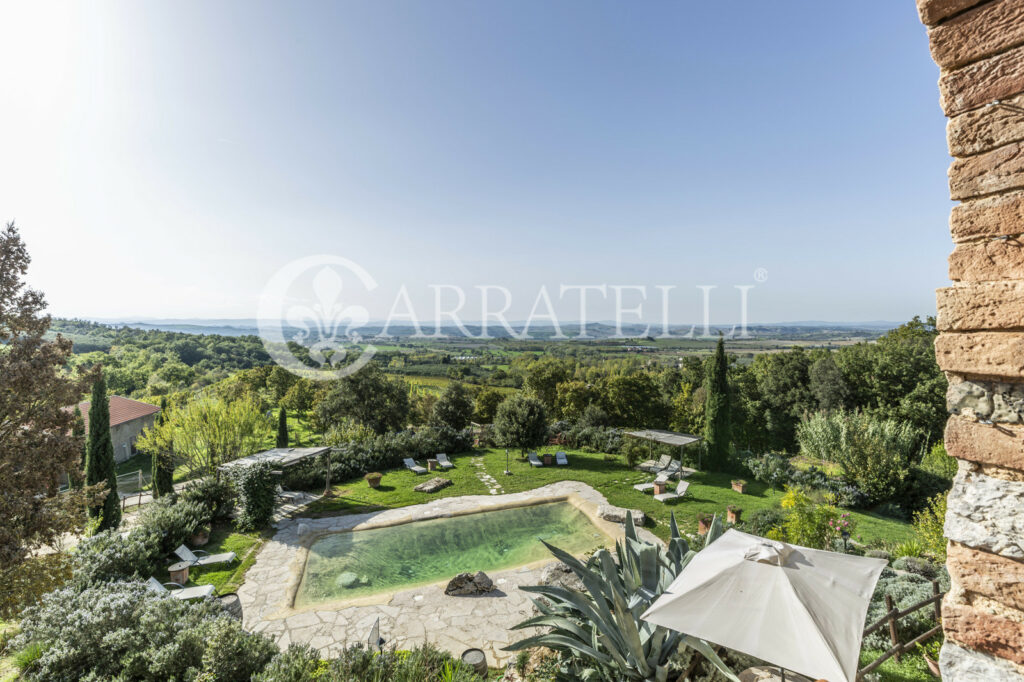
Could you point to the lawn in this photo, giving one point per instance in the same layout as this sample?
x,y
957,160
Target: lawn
x,y
708,492
225,578
911,668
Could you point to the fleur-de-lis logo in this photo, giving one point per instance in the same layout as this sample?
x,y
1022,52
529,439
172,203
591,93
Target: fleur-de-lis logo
x,y
323,323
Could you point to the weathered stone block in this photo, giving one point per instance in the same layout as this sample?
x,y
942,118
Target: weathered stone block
x,y
987,574
988,217
934,11
996,401
433,485
984,129
986,513
987,261
993,78
983,631
981,354
615,514
980,306
999,444
964,665
978,33
996,171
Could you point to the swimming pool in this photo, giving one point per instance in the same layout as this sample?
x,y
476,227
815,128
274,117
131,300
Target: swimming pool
x,y
360,563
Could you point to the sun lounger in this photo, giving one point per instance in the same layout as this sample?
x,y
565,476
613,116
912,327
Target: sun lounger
x,y
442,459
181,592
644,487
561,460
201,558
654,466
680,491
534,461
412,466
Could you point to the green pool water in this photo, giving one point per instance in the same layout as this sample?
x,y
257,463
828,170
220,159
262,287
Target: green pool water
x,y
359,563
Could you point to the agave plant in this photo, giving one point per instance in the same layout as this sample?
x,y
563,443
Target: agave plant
x,y
600,630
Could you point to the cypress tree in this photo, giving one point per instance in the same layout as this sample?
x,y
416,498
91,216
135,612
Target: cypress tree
x,y
716,409
99,458
162,465
282,428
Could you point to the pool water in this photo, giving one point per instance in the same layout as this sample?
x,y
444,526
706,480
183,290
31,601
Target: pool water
x,y
360,563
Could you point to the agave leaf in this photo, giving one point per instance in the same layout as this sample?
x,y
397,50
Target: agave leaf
x,y
715,531
709,652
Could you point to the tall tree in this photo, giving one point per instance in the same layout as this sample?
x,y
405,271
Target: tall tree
x,y
827,384
454,408
487,402
543,377
37,443
162,458
521,422
282,428
369,397
717,425
99,459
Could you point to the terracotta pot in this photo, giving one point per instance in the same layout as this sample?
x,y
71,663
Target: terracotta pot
x,y
547,460
733,515
739,487
703,525
199,539
933,667
373,481
660,488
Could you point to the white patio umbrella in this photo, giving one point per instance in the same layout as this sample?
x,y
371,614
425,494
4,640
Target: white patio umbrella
x,y
801,609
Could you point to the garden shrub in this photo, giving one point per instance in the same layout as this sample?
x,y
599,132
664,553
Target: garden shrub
x,y
873,453
812,524
920,487
24,583
108,557
761,521
297,663
256,488
355,664
214,493
929,527
916,565
905,590
937,461
173,522
773,470
125,631
878,554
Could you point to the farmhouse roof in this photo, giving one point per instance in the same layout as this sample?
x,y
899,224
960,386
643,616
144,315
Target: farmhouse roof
x,y
121,410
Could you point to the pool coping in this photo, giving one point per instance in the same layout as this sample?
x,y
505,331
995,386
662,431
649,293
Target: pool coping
x,y
268,593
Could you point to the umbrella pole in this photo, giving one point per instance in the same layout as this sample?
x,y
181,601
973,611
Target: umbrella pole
x,y
782,673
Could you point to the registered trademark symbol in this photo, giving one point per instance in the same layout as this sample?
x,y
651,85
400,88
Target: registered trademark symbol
x,y
760,275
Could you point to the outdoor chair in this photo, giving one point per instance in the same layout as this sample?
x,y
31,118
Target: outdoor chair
x,y
412,466
561,459
534,461
201,558
654,466
645,487
443,460
680,491
181,592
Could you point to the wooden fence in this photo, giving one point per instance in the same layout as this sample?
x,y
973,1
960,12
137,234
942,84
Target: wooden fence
x,y
892,616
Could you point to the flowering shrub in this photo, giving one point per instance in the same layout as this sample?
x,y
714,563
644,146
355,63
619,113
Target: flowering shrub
x,y
125,631
811,524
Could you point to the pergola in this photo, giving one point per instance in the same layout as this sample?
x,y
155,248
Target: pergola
x,y
282,457
674,438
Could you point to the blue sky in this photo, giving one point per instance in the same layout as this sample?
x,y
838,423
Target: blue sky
x,y
166,159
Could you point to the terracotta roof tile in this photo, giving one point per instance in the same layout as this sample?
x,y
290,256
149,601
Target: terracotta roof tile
x,y
121,410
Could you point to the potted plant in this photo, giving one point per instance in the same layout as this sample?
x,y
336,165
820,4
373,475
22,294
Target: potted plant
x,y
733,514
739,485
200,536
373,479
704,523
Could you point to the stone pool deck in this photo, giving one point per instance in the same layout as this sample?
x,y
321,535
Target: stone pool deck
x,y
407,617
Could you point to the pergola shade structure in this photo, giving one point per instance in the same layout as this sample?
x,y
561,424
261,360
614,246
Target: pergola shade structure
x,y
674,438
279,457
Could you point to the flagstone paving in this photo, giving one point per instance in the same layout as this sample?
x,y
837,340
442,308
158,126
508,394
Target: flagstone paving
x,y
407,617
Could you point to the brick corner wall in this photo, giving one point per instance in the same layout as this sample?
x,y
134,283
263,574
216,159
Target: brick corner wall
x,y
979,47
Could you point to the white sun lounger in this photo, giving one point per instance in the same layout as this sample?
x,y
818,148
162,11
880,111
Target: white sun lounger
x,y
561,459
201,558
680,491
442,459
644,487
534,461
412,466
186,593
653,466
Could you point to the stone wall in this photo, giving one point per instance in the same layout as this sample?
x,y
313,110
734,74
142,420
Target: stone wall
x,y
979,47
